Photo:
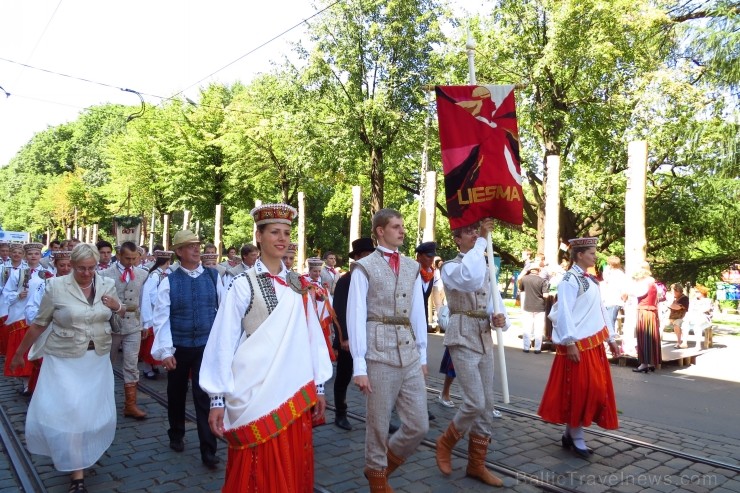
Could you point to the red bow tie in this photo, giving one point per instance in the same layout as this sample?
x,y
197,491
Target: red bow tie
x,y
277,279
127,271
332,270
394,260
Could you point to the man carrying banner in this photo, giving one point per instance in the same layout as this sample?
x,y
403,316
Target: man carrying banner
x,y
468,338
385,306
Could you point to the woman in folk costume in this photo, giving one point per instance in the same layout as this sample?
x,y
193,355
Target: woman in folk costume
x,y
648,325
7,266
579,390
321,301
36,290
157,272
16,294
72,417
264,367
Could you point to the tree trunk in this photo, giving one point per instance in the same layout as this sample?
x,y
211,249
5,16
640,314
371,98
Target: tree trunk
x,y
377,179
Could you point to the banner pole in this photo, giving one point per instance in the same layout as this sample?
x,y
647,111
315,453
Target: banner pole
x,y
497,308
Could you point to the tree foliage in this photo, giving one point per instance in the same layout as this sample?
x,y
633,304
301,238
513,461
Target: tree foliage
x,y
595,75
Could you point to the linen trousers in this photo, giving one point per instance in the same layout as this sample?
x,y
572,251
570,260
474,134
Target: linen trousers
x,y
130,343
405,389
475,377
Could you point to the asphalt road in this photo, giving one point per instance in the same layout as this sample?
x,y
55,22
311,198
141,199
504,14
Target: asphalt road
x,y
663,397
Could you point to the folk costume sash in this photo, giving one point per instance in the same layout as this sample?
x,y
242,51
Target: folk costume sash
x,y
276,380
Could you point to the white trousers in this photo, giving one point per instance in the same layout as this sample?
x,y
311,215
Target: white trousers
x,y
533,325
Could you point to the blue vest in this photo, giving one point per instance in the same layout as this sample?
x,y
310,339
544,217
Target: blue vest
x,y
193,306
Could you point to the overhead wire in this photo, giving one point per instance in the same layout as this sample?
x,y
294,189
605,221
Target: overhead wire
x,y
304,21
41,36
165,98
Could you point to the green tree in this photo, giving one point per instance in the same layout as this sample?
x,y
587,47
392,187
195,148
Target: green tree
x,y
371,60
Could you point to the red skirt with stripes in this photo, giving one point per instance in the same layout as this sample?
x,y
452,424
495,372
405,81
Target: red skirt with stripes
x,y
283,464
16,333
579,394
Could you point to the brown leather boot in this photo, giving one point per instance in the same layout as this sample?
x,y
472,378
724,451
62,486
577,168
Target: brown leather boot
x,y
477,450
130,409
445,443
378,480
394,462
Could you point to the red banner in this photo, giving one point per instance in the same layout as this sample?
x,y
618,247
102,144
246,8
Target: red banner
x,y
480,154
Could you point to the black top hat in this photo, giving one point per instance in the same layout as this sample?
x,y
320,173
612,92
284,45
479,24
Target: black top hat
x,y
361,245
427,248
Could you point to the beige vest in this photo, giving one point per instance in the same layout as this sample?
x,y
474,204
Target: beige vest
x,y
469,324
390,337
130,294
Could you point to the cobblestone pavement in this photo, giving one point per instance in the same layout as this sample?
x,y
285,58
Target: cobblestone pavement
x,y
139,460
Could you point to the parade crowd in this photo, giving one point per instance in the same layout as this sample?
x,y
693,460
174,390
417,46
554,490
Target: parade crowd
x,y
255,341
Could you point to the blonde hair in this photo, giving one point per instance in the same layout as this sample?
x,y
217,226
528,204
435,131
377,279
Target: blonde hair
x,y
84,251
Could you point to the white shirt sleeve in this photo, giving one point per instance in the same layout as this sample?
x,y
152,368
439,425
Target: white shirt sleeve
x,y
216,377
469,274
146,306
567,295
357,321
162,346
418,319
36,290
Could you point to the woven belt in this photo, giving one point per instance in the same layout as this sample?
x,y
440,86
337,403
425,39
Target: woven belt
x,y
390,320
482,314
131,308
586,343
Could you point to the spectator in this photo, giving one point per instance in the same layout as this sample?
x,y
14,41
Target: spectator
x,y
535,290
679,307
648,326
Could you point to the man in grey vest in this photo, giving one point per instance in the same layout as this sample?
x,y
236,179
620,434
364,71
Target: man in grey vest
x,y
388,340
329,274
129,281
187,301
468,338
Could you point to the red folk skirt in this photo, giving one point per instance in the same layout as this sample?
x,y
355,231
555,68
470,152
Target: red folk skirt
x,y
579,394
648,337
16,332
283,464
145,350
3,335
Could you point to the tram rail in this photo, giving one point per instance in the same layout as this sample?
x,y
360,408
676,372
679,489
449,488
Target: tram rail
x,y
507,471
23,468
697,459
189,415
